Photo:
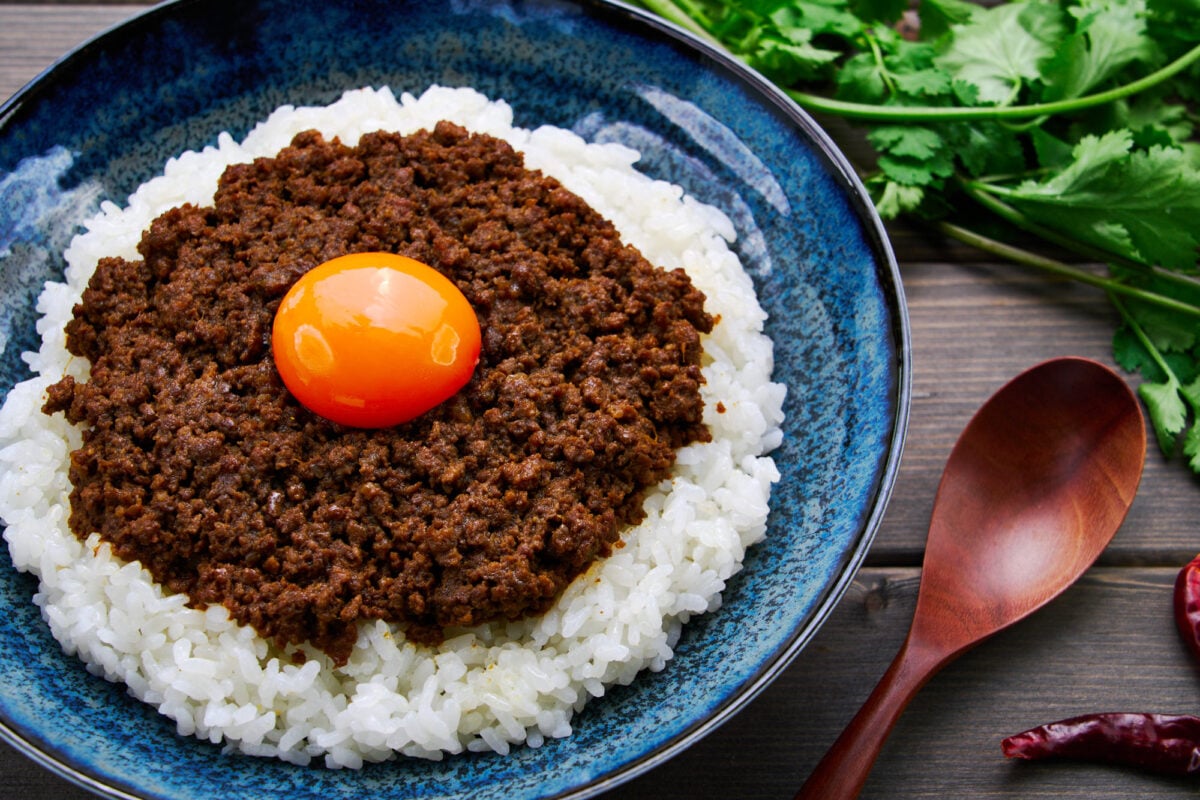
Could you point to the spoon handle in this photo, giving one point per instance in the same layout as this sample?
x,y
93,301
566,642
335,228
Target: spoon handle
x,y
842,772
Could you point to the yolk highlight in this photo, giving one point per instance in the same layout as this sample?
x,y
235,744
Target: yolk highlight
x,y
371,340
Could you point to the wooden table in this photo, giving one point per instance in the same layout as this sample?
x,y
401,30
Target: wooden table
x,y
1108,644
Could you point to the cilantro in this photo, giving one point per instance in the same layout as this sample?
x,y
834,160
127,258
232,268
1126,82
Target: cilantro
x,y
1142,205
1003,49
862,79
937,16
1171,387
788,57
907,140
1074,120
925,83
1110,35
897,198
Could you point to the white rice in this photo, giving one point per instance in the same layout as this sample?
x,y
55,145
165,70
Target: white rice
x,y
492,687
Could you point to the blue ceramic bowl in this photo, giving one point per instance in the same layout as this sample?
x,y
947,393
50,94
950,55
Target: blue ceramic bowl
x,y
113,111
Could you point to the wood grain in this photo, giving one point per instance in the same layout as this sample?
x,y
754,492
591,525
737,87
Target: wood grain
x,y
33,37
974,326
1107,644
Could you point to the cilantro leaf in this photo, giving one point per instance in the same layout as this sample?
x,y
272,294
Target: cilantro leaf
x,y
914,141
861,80
1154,119
1167,332
1052,152
832,17
988,148
1191,447
1191,441
1170,372
910,171
901,72
1002,48
789,58
1167,411
923,82
937,16
1110,35
1171,19
1141,205
1191,392
897,199
1132,356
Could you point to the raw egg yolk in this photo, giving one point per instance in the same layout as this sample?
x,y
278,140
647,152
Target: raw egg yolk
x,y
370,340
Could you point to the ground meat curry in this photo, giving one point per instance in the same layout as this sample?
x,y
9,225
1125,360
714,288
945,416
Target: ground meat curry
x,y
198,463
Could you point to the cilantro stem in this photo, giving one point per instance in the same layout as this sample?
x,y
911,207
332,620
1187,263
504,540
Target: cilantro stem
x,y
884,73
1054,267
878,113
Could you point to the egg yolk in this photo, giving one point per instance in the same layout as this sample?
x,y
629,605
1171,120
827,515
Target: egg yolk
x,y
370,340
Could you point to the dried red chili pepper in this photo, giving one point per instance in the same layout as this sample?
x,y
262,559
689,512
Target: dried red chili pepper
x,y
1187,604
1164,743
1168,744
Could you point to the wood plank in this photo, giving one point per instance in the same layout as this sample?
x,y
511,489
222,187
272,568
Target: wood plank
x,y
1109,644
974,326
32,37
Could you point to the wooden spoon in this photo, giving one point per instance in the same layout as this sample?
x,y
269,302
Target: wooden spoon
x,y
1035,488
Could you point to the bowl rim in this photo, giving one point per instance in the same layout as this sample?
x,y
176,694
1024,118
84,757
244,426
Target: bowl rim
x,y
890,280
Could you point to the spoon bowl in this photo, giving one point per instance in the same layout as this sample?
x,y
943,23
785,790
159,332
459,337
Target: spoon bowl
x,y
1033,491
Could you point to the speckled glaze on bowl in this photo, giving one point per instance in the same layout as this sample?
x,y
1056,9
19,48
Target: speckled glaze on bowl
x,y
108,115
